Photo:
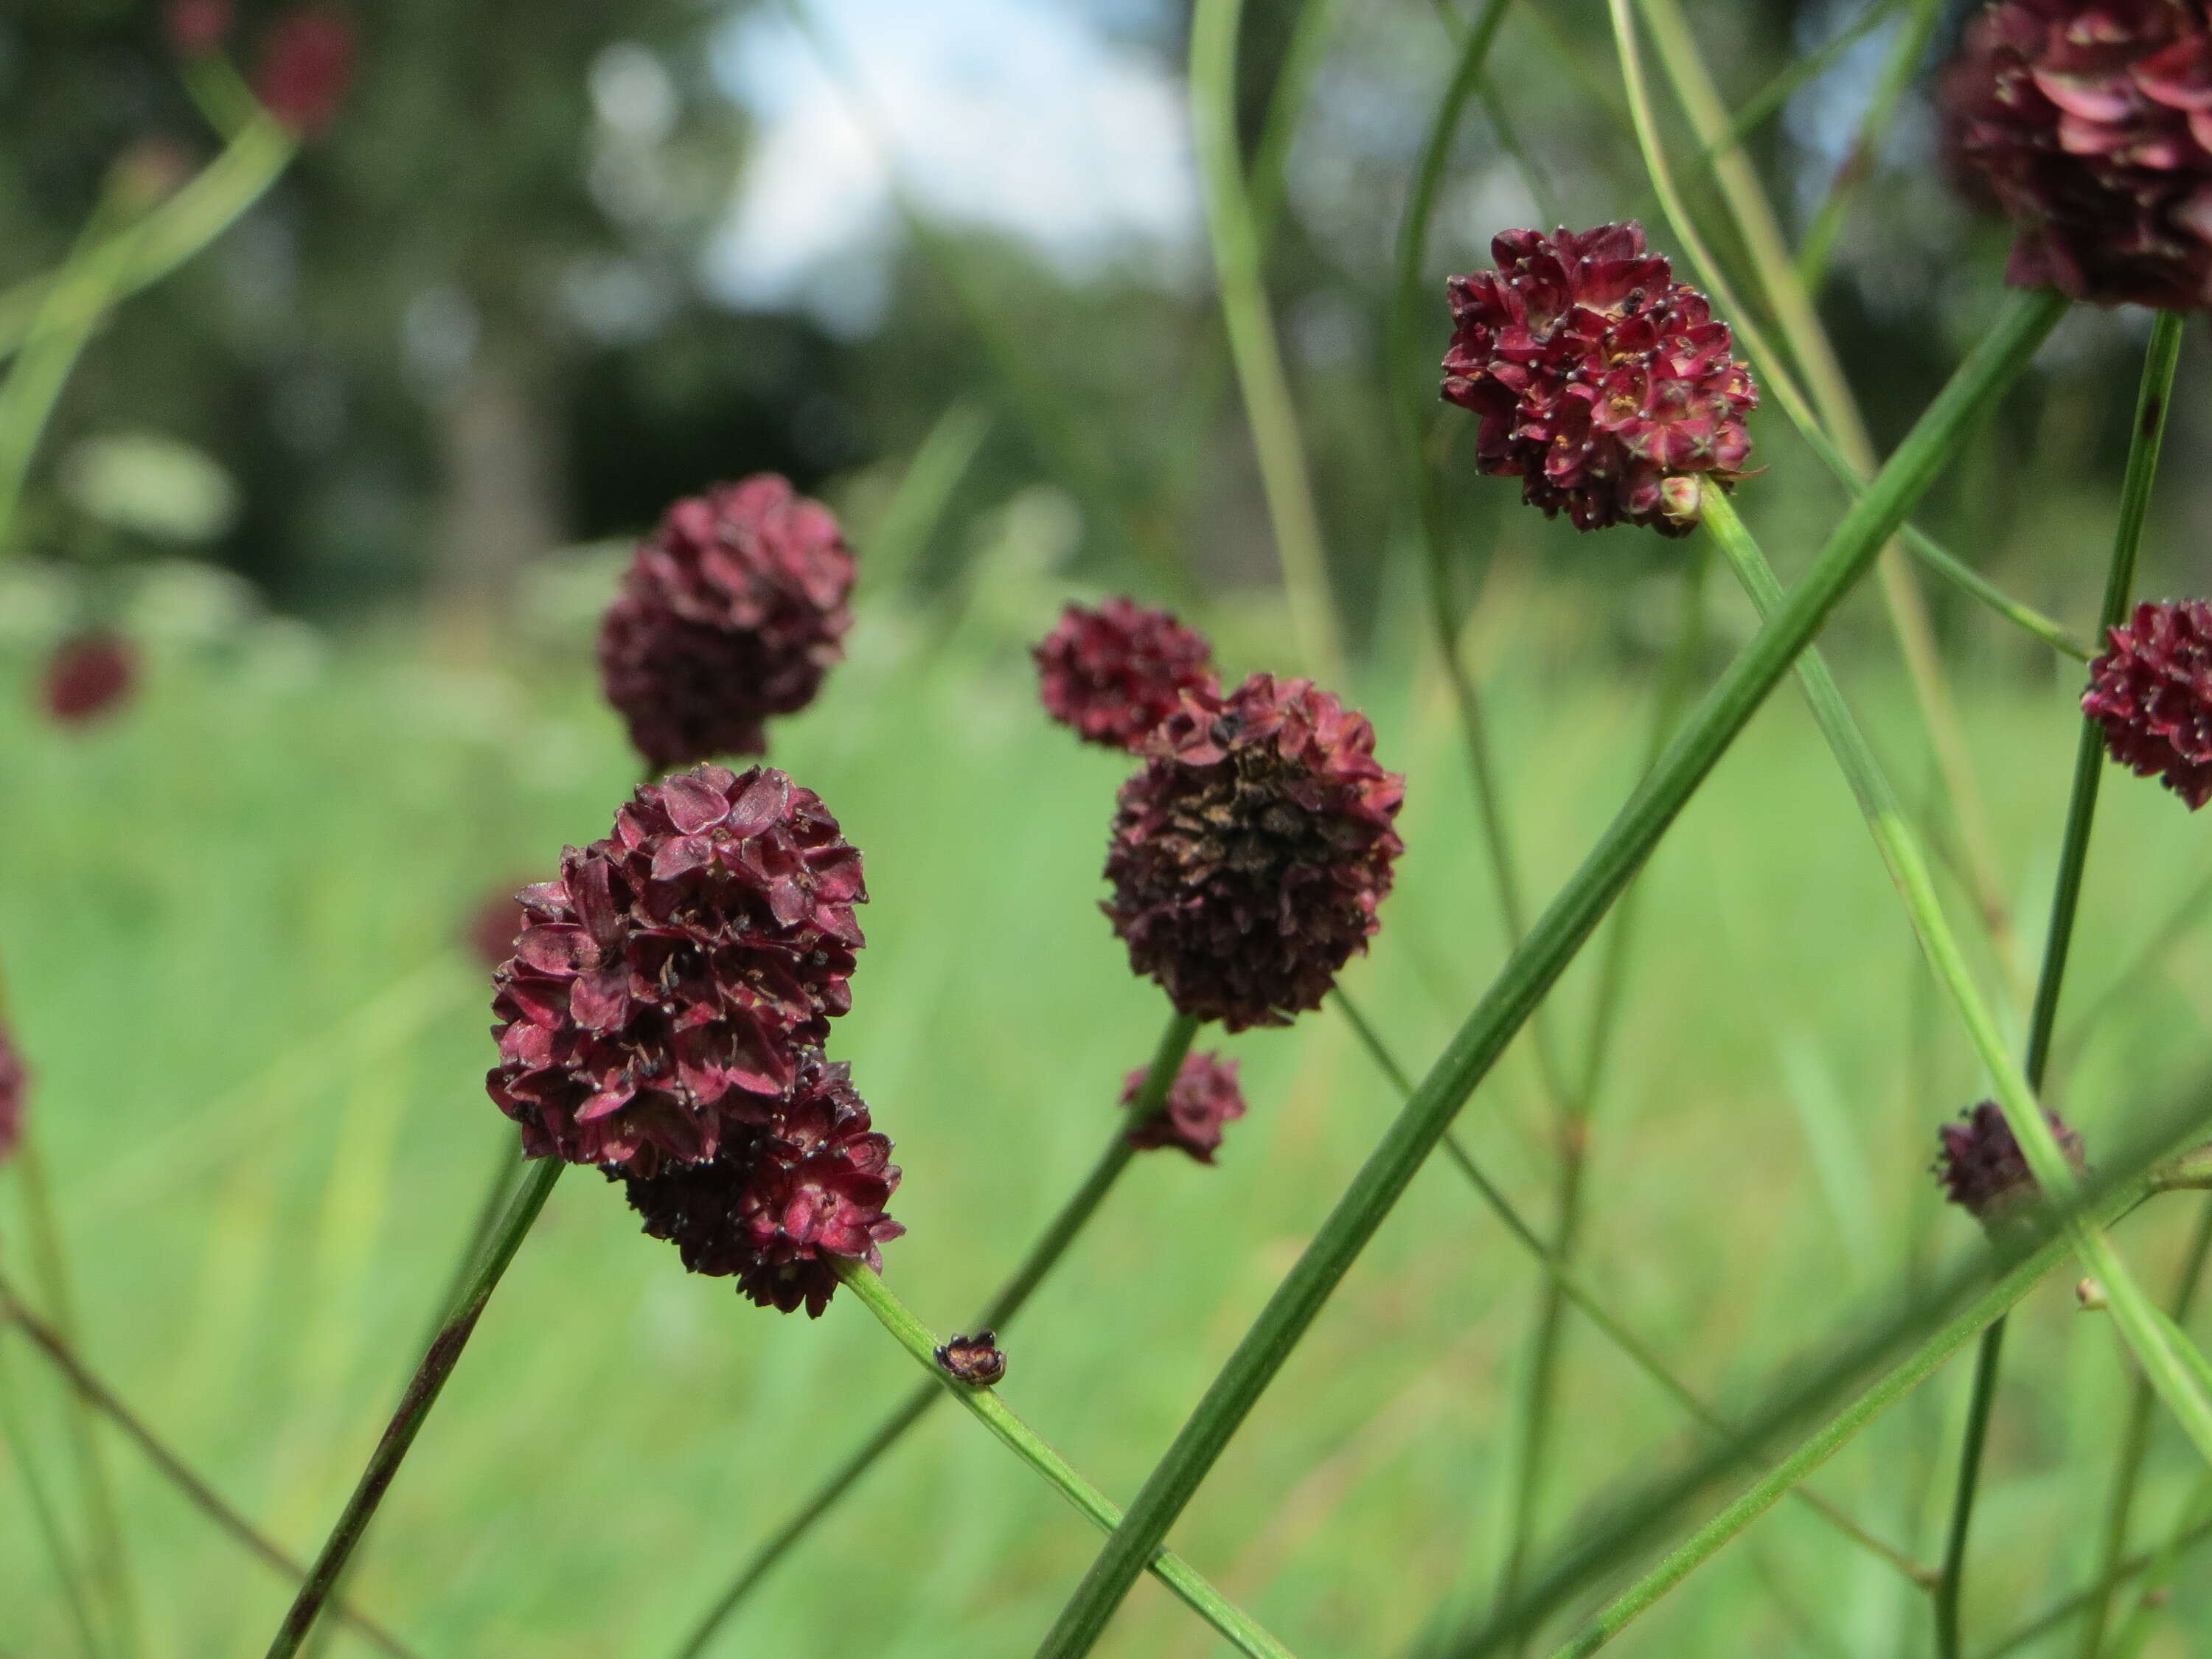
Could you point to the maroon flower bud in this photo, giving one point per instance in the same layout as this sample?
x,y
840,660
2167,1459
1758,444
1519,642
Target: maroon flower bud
x,y
806,1180
14,1084
976,1360
495,923
1248,858
197,26
1599,378
667,985
732,610
1981,1166
88,676
1113,674
2152,692
1203,1096
2092,119
306,64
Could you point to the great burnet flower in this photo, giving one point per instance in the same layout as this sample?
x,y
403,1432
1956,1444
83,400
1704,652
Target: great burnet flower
x,y
803,1180
15,1082
732,610
2152,692
197,26
663,988
1111,674
1605,386
307,64
1249,856
1202,1098
2092,120
90,675
1981,1166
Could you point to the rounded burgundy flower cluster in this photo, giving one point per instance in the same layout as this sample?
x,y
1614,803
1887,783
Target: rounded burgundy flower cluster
x,y
1606,387
2152,692
1111,674
90,675
1202,1098
732,610
663,988
307,64
805,1183
1249,856
1981,1166
15,1082
2092,120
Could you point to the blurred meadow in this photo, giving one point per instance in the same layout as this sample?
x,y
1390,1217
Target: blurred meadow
x,y
395,433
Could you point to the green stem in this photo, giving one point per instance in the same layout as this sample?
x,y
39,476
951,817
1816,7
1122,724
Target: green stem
x,y
194,1486
1970,581
2135,1444
2152,400
422,1391
1639,1352
2133,1312
44,1517
1896,79
1043,1257
1233,231
1170,1569
2058,1612
2157,1576
1530,971
1798,72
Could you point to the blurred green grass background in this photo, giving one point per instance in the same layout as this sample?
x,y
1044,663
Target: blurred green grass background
x,y
233,935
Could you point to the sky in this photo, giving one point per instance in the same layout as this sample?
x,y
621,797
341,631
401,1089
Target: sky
x,y
1015,115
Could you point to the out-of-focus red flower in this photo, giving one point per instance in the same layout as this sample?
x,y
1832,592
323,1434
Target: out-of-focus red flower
x,y
1112,674
494,925
90,675
307,64
1605,386
197,26
2152,692
1982,1169
1202,1098
14,1084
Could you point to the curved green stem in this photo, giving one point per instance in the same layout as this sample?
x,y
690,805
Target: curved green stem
x,y
1043,1255
1530,972
1234,233
422,1391
1170,1569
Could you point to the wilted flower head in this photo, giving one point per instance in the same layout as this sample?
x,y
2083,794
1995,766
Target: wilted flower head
x,y
2093,121
1203,1096
307,64
15,1082
1112,674
2152,692
666,987
90,675
1604,385
196,26
806,1181
732,612
1981,1166
1249,856
976,1360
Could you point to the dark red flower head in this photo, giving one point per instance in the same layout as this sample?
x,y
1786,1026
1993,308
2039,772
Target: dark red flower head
x,y
14,1084
808,1180
1203,1096
2093,121
1604,385
1981,1167
90,675
195,27
663,988
1113,674
732,610
307,64
2152,692
1249,856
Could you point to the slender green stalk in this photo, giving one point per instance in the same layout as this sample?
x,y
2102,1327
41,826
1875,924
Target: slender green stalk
x,y
1834,410
1639,1352
1043,1257
1974,584
1798,72
2056,1616
110,1569
1531,971
46,1519
422,1391
1234,233
2152,401
2125,984
1170,1569
1905,54
2157,1576
194,1486
2133,1312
